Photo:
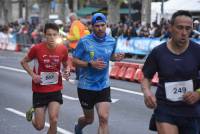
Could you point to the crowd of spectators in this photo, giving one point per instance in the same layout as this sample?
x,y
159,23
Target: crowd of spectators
x,y
28,34
137,29
24,33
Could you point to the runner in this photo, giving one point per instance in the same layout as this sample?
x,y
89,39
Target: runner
x,y
92,56
46,78
176,103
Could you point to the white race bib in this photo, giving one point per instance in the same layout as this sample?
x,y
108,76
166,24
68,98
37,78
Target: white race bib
x,y
175,90
49,78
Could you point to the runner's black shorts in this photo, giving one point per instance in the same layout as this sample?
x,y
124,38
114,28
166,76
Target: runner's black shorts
x,y
43,99
88,98
185,124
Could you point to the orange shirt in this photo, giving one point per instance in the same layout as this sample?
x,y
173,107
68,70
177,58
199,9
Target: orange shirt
x,y
77,31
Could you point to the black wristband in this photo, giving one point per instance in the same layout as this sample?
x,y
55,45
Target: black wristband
x,y
89,64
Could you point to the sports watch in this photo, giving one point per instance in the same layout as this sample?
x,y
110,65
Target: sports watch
x,y
89,64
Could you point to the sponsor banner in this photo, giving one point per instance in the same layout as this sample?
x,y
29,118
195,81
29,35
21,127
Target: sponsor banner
x,y
11,42
139,45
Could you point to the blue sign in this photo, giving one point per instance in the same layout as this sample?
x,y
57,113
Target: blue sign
x,y
139,45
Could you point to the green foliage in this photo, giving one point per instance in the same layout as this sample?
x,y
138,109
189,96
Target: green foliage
x,y
82,1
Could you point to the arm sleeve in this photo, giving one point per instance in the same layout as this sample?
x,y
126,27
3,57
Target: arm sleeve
x,y
78,52
150,65
32,52
114,51
65,58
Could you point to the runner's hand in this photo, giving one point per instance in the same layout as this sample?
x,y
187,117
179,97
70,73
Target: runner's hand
x,y
36,79
66,74
98,64
191,97
150,100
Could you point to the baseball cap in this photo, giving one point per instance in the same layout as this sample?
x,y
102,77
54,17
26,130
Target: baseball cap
x,y
196,21
58,22
98,17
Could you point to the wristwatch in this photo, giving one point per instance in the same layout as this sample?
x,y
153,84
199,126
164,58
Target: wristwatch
x,y
89,64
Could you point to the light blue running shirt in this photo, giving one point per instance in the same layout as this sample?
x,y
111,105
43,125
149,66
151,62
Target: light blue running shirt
x,y
92,48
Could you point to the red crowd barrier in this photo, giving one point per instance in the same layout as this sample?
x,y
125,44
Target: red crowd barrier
x,y
115,70
138,75
18,48
130,72
124,70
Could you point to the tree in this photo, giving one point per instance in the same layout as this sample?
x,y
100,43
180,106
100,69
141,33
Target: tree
x,y
113,11
6,11
146,11
75,5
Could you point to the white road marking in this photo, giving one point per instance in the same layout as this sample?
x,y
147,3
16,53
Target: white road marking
x,y
61,130
113,88
127,91
114,100
70,98
13,69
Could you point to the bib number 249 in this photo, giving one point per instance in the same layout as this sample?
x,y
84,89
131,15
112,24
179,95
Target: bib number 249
x,y
179,90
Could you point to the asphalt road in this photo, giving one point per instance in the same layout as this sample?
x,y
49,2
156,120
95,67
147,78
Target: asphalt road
x,y
128,113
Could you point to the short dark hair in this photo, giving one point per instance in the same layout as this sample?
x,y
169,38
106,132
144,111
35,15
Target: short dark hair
x,y
180,13
51,26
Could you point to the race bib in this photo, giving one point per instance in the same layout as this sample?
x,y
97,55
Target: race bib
x,y
49,78
175,90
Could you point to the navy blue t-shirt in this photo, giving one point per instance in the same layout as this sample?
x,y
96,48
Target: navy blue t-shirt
x,y
172,68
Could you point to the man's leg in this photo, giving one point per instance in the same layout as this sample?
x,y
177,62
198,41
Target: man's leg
x,y
188,125
39,118
53,110
103,114
84,120
166,128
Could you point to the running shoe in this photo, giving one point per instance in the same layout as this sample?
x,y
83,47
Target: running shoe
x,y
77,130
29,114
